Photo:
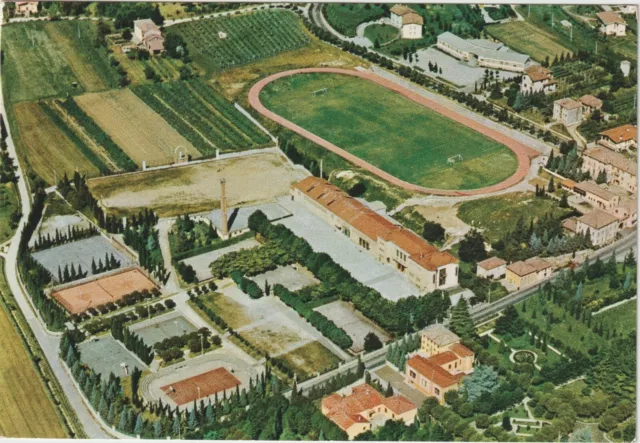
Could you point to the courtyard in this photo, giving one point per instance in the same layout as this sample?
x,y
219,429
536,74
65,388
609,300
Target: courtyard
x,y
292,277
157,329
201,263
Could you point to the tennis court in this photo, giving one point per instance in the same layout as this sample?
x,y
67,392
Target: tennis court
x,y
157,329
106,355
201,386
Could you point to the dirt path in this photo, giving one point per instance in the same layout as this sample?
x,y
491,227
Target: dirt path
x,y
523,152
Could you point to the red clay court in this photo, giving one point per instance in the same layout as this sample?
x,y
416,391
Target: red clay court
x,y
77,299
523,153
185,391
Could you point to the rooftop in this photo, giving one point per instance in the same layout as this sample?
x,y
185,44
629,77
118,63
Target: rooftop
x,y
621,133
439,335
568,103
570,224
401,10
597,219
609,157
591,101
538,73
412,18
433,372
593,188
529,266
491,263
609,18
483,50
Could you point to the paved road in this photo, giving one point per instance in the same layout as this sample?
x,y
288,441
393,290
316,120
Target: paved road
x,y
164,226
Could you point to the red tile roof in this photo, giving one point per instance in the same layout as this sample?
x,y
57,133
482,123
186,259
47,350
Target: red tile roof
x,y
491,263
621,133
538,73
372,224
432,371
609,157
591,101
610,17
461,350
443,358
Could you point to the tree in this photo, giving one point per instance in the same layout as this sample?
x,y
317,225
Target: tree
x,y
506,422
564,202
461,322
139,427
389,391
472,247
484,379
602,177
372,342
433,232
551,187
357,190
510,323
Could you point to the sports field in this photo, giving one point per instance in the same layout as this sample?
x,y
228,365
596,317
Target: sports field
x,y
528,39
397,135
201,386
23,395
141,133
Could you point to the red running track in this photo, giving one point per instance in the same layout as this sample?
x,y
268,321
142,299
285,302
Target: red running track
x,y
523,152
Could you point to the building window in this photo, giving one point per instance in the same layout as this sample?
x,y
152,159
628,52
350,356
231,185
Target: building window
x,y
437,391
442,276
346,232
412,374
363,243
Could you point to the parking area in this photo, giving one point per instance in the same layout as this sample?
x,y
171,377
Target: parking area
x,y
106,355
356,325
391,284
165,326
201,262
387,374
80,253
292,277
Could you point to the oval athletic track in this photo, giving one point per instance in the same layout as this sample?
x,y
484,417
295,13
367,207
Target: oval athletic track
x,y
523,152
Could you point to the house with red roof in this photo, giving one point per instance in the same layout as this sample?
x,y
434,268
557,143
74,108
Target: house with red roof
x,y
363,407
620,138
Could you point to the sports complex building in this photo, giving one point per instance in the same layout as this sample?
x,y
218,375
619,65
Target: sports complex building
x,y
484,53
425,265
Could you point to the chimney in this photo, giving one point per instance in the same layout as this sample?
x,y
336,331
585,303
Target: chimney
x,y
223,209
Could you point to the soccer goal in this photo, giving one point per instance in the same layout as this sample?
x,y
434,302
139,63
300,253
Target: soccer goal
x,y
454,159
320,91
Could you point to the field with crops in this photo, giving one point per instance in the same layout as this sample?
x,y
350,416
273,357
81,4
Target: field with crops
x,y
528,39
202,116
226,42
141,133
45,59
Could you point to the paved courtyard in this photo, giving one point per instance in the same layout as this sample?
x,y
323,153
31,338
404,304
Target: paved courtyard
x,y
106,355
60,223
201,262
79,252
356,325
363,267
157,329
389,375
292,277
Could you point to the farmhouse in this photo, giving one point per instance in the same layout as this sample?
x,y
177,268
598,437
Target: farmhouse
x,y
441,363
590,104
537,79
483,53
596,195
357,411
620,138
601,226
611,23
567,111
25,9
493,267
148,35
529,272
425,266
620,170
408,21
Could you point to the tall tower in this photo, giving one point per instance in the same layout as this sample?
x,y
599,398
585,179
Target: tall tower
x,y
223,209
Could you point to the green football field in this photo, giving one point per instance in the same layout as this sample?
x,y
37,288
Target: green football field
x,y
389,131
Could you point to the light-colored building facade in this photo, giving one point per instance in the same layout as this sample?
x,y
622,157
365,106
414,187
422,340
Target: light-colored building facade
x,y
441,363
601,226
537,78
484,53
621,171
567,111
424,265
611,23
528,272
26,9
356,411
626,213
590,104
407,21
148,35
619,139
597,195
492,268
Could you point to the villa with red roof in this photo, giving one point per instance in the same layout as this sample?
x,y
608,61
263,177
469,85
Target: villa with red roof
x,y
620,138
364,408
440,364
425,265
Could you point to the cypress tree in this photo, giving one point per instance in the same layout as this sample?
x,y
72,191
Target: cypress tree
x,y
139,428
111,415
122,425
157,428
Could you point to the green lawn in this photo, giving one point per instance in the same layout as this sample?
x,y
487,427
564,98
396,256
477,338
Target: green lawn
x,y
345,17
622,318
395,134
8,205
497,215
382,33
44,59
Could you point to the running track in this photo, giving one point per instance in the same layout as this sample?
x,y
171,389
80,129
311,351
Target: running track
x,y
523,152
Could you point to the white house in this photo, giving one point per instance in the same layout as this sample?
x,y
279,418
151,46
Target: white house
x,y
620,138
493,267
148,35
537,78
567,111
590,104
408,21
25,9
612,24
602,226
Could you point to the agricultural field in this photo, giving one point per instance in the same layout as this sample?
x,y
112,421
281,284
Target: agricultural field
x,y
47,150
196,188
45,59
389,131
380,33
165,68
121,114
245,38
497,215
24,395
203,116
345,17
9,204
311,358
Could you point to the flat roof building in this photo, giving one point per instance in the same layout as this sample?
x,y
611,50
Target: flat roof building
x,y
484,53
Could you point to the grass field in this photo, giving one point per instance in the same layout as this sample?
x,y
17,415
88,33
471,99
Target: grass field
x,y
528,39
44,59
27,411
382,33
141,133
622,318
345,17
47,151
389,131
8,204
231,311
196,188
497,215
311,358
